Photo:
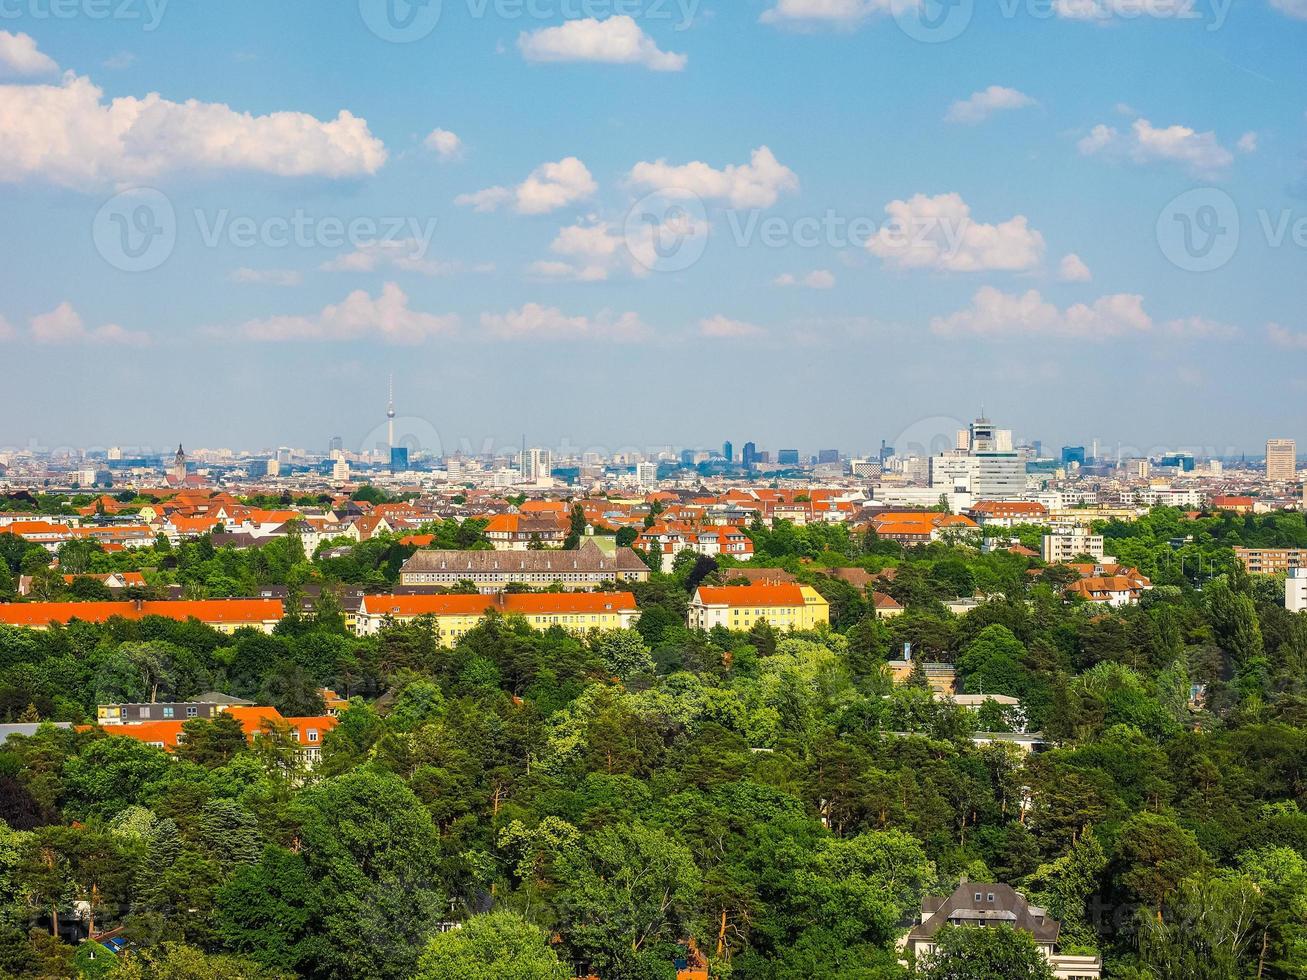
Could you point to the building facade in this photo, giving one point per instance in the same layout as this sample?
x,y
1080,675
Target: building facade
x,y
1281,461
493,571
740,607
1066,546
1295,591
455,615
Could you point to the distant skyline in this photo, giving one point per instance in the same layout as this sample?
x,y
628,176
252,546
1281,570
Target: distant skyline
x,y
802,223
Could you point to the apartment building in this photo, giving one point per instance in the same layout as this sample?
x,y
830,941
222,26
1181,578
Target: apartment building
x,y
224,615
739,607
670,539
1064,547
456,615
1271,561
1281,461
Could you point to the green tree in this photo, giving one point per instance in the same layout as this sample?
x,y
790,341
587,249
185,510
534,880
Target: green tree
x,y
1000,953
494,946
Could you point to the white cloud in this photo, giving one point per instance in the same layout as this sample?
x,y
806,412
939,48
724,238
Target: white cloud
x,y
1073,269
994,314
20,56
266,277
594,249
407,255
981,105
64,325
830,13
615,41
119,61
756,184
446,145
818,279
359,317
534,321
1285,338
1200,153
549,187
1248,143
939,233
68,134
723,328
1292,8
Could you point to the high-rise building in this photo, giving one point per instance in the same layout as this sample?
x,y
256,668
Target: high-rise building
x,y
1281,460
646,474
398,459
788,457
1073,454
750,454
336,444
828,456
985,465
537,465
728,451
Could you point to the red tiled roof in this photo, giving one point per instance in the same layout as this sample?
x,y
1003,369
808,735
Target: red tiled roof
x,y
223,611
751,595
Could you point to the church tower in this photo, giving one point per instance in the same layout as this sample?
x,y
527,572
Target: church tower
x,y
179,465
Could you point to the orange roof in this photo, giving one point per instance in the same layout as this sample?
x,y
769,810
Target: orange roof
x,y
252,718
418,540
223,611
751,595
543,507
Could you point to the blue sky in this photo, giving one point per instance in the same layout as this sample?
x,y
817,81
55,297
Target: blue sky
x,y
1033,166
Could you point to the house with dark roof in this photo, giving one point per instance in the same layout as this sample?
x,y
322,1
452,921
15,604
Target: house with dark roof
x,y
492,571
976,905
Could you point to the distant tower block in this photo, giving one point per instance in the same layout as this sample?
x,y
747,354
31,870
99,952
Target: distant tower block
x,y
390,416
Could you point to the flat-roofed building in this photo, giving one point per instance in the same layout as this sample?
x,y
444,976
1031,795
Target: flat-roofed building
x,y
1281,460
1067,546
1295,591
1271,561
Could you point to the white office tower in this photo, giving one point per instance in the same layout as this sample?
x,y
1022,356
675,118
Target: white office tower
x,y
1295,590
985,465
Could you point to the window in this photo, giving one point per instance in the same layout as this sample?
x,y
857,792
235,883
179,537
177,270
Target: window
x,y
990,897
313,734
977,896
167,711
192,711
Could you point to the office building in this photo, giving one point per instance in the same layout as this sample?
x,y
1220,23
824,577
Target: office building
x,y
825,457
750,457
537,465
788,457
728,452
1281,460
1073,454
398,459
984,465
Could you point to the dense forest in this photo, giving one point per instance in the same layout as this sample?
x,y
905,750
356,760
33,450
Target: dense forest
x,y
543,805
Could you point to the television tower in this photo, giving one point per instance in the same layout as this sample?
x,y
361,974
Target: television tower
x,y
390,416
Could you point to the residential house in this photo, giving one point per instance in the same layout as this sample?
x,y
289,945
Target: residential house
x,y
739,607
523,532
996,906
